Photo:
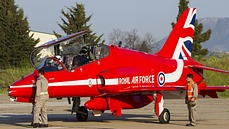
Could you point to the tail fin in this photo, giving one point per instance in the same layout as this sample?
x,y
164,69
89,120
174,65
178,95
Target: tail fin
x,y
179,43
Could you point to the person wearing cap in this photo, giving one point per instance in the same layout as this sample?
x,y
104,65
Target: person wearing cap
x,y
84,57
86,52
41,99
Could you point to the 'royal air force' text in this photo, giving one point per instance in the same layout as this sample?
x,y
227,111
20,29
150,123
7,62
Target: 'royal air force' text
x,y
136,80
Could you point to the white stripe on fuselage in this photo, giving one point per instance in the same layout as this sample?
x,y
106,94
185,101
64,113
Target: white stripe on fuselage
x,y
75,83
23,86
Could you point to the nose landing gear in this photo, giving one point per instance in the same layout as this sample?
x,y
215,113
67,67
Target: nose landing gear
x,y
81,111
82,114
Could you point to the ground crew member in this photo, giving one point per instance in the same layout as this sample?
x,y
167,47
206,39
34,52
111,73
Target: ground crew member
x,y
191,99
41,99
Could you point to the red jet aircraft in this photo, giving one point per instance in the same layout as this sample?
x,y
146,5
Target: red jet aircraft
x,y
117,78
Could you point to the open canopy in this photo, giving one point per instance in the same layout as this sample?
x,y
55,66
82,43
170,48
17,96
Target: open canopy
x,y
68,52
66,45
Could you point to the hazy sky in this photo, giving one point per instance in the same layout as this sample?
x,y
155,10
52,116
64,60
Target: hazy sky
x,y
154,16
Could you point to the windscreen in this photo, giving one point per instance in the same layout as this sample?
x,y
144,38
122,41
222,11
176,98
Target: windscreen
x,y
51,65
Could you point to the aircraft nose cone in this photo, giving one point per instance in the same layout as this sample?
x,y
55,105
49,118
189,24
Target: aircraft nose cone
x,y
23,87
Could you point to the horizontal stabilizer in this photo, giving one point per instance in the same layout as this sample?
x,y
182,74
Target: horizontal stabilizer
x,y
208,68
215,88
211,91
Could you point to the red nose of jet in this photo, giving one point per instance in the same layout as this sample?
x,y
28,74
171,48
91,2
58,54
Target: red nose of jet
x,y
24,87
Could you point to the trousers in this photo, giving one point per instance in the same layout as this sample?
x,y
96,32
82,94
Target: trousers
x,y
41,108
192,112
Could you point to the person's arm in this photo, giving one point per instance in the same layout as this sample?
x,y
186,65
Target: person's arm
x,y
186,97
38,90
195,91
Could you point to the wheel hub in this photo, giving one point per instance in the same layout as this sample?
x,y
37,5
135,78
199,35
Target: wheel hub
x,y
166,116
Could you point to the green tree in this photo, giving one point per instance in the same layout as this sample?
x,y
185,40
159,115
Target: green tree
x,y
199,36
75,20
16,44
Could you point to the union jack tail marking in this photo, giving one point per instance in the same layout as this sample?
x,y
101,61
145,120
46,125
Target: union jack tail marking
x,y
179,43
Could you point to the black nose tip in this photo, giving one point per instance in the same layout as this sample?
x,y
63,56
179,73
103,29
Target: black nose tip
x,y
8,90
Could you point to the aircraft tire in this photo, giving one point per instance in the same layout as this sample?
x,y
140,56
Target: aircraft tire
x,y
82,114
164,117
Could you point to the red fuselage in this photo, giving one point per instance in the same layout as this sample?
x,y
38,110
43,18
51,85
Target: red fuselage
x,y
121,71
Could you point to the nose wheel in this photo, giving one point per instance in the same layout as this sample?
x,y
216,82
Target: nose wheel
x,y
164,117
82,114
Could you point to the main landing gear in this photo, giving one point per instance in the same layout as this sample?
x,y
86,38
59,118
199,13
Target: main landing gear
x,y
162,113
164,117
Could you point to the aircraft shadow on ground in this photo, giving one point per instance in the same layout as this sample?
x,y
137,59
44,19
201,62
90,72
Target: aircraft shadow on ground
x,y
25,120
19,119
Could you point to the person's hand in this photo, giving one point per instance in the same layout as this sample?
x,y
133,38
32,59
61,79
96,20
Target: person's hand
x,y
193,99
186,101
36,98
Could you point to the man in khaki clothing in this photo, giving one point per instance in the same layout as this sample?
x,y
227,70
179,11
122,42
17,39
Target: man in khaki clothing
x,y
191,99
41,99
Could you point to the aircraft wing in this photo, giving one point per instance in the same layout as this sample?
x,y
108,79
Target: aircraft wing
x,y
210,91
174,88
151,89
208,68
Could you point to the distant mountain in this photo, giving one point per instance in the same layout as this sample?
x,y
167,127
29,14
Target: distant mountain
x,y
219,40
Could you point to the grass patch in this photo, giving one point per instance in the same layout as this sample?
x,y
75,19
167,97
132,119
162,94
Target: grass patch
x,y
217,79
3,91
8,76
224,94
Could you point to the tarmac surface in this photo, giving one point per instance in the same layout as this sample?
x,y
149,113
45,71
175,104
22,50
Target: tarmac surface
x,y
212,114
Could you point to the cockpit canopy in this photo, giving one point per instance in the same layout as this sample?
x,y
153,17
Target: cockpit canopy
x,y
67,52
